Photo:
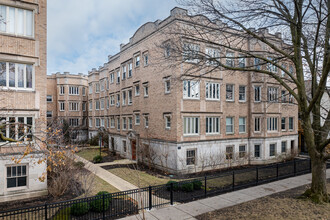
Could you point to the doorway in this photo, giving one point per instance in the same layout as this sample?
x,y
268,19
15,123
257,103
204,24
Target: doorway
x,y
133,145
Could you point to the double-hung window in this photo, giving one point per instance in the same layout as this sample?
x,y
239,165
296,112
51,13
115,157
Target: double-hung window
x,y
191,157
16,21
283,96
124,97
146,59
62,90
62,106
130,69
212,56
230,92
257,150
241,61
97,122
102,104
112,100
242,124
97,104
118,123
230,59
137,61
272,148
271,67
242,93
49,114
229,152
257,93
90,87
283,121
74,122
242,151
146,90
191,89
272,94
257,124
137,89
130,97
167,121
18,127
137,119
212,125
124,72
257,64
291,123
112,77
130,123
73,90
118,76
124,123
16,176
229,125
112,122
212,91
49,98
146,121
102,84
90,105
84,106
272,123
73,106
190,52
190,125
167,86
283,146
16,75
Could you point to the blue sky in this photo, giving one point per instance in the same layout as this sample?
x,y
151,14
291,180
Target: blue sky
x,y
82,33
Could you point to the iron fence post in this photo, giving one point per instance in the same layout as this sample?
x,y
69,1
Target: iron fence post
x,y
257,175
171,195
205,186
150,198
103,206
233,180
46,211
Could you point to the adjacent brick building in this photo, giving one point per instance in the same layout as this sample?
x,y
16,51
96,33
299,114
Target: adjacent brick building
x,y
23,35
67,100
185,123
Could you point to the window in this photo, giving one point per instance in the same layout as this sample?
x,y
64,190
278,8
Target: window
x,y
191,157
230,92
257,93
118,123
230,59
130,97
290,123
17,21
73,106
212,125
124,72
167,50
130,67
272,124
84,91
257,124
242,151
167,86
102,104
272,94
15,75
146,90
112,100
124,124
229,125
124,97
282,71
90,87
145,59
102,84
90,122
90,105
62,106
167,121
242,124
137,61
84,106
283,124
191,89
257,150
97,104
112,77
108,122
97,122
107,82
146,121
97,87
283,146
130,123
283,96
118,76
18,127
242,93
16,176
257,64
118,100
137,119
49,98
190,125
124,146
272,150
74,122
212,91
212,56
73,90
49,114
108,102
62,90
290,98
271,67
112,122
229,152
190,52
241,61
137,90
290,69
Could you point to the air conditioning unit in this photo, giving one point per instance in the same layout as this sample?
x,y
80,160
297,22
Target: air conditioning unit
x,y
117,104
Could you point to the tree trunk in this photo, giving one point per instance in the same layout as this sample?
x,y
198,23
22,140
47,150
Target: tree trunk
x,y
319,181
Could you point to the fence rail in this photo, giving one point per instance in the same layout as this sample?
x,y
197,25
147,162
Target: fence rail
x,y
130,202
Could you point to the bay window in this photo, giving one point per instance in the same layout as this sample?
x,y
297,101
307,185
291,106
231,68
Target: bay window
x,y
16,75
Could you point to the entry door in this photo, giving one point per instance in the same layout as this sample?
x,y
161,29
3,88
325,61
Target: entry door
x,y
133,144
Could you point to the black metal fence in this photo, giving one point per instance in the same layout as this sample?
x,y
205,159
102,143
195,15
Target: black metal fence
x,y
130,202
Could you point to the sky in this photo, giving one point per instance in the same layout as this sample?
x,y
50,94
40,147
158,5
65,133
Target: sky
x,y
82,33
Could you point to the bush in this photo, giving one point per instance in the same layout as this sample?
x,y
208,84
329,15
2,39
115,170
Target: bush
x,y
97,159
187,187
97,204
79,209
197,184
175,185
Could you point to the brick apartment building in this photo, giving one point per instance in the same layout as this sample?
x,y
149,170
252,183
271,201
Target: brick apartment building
x,y
67,100
23,36
188,124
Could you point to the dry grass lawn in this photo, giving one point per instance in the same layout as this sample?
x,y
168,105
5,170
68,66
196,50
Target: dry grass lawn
x,y
89,154
285,205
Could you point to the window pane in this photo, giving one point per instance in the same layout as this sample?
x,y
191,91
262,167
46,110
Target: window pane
x,y
11,20
29,23
20,21
2,69
20,75
11,74
13,171
3,16
21,181
8,171
11,182
23,170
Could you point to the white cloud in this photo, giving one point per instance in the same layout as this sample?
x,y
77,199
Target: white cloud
x,y
82,33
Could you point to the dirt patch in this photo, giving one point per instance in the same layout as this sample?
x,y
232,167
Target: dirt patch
x,y
284,205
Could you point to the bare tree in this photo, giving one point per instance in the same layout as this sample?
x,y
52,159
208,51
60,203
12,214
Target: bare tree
x,y
302,45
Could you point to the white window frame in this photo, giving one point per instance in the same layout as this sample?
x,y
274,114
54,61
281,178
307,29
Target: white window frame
x,y
190,52
168,121
49,98
241,94
137,119
212,125
272,94
257,124
146,90
62,90
62,106
167,84
272,124
257,93
73,90
191,126
73,106
129,97
283,123
232,125
189,90
17,176
191,157
137,60
212,91
146,121
137,89
5,82
270,151
213,56
242,124
232,91
145,59
291,122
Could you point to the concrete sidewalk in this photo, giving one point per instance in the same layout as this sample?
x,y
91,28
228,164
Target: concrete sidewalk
x,y
192,209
